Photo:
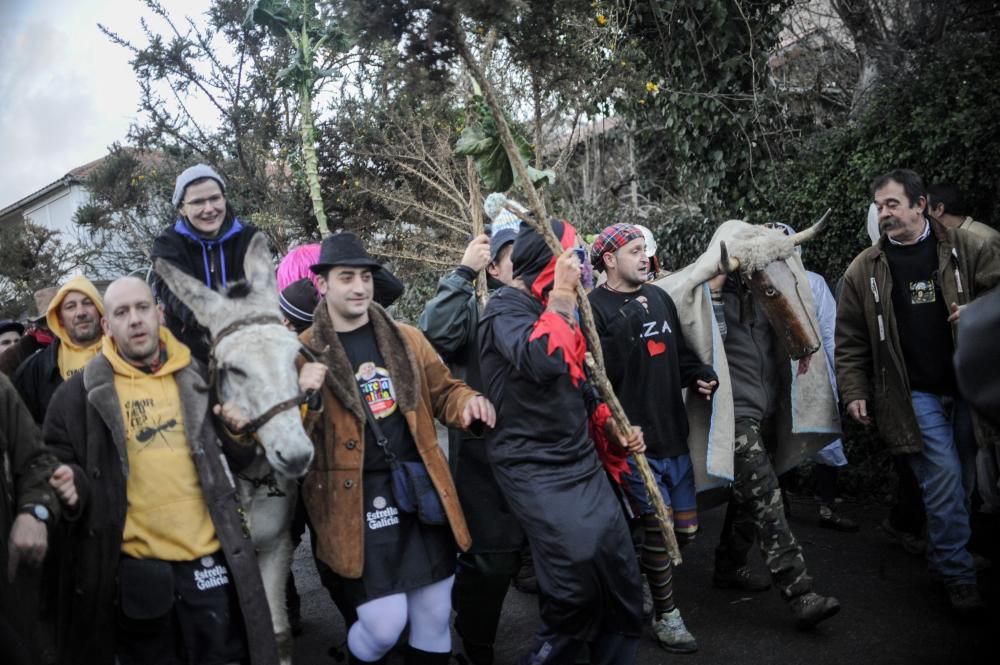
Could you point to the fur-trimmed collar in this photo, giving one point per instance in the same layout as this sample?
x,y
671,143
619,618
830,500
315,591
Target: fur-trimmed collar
x,y
398,360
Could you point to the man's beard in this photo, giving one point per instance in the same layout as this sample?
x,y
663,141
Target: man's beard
x,y
92,335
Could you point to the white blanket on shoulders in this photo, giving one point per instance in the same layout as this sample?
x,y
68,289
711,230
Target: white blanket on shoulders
x,y
807,417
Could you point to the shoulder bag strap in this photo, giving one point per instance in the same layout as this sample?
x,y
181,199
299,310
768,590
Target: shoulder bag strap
x,y
380,438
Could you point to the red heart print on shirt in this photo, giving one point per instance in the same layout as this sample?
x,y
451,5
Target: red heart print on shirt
x,y
655,348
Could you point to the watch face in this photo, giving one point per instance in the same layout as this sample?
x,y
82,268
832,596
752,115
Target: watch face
x,y
41,512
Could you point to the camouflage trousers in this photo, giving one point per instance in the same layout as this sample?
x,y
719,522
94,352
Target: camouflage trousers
x,y
755,511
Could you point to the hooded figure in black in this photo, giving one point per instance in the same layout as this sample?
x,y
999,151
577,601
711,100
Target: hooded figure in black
x,y
551,436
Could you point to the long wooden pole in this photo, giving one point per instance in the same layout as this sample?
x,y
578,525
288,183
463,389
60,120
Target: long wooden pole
x,y
600,380
618,413
478,228
539,222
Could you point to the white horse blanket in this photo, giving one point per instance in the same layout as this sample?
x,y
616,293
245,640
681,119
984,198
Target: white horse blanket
x,y
807,417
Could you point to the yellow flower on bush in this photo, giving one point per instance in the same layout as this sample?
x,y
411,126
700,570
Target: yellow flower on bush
x,y
601,19
652,87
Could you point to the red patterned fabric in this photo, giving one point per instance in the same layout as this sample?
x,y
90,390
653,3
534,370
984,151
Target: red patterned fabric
x,y
614,459
43,337
562,336
548,274
613,238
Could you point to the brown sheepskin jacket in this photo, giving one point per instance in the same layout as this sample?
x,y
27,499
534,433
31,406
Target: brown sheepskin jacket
x,y
425,389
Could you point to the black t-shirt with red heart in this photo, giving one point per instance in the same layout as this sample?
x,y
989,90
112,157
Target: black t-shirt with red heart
x,y
648,363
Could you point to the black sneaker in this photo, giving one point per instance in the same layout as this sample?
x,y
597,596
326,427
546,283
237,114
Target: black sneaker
x,y
908,541
476,654
828,519
743,579
810,608
965,598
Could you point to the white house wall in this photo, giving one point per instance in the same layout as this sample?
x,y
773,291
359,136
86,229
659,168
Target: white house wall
x,y
56,211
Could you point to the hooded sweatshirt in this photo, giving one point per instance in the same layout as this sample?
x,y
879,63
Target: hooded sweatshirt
x,y
216,262
167,517
207,244
73,357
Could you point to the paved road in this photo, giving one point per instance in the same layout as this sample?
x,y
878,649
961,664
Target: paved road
x,y
891,611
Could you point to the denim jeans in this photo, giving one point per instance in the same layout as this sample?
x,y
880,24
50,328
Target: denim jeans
x,y
939,472
965,440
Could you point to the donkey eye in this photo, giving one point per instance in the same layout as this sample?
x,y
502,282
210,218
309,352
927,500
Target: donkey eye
x,y
234,371
770,292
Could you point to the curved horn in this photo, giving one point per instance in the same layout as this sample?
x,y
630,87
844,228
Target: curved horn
x,y
727,264
812,231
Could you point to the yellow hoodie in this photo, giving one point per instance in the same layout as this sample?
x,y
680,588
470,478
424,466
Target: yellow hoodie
x,y
72,358
167,517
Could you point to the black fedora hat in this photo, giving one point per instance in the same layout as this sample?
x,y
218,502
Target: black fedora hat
x,y
343,249
7,325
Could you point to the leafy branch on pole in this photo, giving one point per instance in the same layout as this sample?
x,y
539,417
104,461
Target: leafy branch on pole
x,y
309,33
481,141
538,220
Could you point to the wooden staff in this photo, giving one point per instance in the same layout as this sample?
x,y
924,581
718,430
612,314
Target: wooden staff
x,y
540,223
476,209
600,380
659,506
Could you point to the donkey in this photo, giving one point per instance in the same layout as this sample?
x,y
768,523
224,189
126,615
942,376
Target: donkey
x,y
253,366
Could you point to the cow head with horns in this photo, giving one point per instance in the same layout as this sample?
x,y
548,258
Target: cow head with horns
x,y
757,255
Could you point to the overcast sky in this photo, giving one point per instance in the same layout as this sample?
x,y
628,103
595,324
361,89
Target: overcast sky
x,y
66,92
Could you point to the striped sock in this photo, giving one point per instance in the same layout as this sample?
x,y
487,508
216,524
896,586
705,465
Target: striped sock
x,y
657,566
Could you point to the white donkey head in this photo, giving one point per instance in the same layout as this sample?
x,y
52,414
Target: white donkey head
x,y
254,354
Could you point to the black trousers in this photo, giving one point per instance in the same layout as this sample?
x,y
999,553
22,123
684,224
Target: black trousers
x,y
481,584
202,625
553,649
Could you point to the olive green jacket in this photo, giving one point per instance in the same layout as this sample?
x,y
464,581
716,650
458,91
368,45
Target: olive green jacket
x,y
869,358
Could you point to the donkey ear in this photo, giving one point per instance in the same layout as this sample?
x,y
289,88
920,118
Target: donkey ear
x,y
201,300
258,266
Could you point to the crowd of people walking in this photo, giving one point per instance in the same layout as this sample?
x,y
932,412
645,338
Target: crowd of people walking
x,y
127,538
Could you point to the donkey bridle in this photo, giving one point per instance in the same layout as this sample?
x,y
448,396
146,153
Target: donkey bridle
x,y
213,372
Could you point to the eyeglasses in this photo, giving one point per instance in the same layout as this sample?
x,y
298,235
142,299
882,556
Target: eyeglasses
x,y
198,204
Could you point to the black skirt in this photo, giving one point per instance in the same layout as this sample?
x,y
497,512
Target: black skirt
x,y
401,553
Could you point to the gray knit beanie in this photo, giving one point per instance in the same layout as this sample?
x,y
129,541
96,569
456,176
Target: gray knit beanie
x,y
192,173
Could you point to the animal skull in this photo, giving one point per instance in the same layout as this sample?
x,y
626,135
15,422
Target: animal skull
x,y
775,287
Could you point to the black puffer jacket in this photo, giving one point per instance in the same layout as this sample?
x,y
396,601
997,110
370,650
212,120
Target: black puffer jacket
x,y
449,322
216,262
37,379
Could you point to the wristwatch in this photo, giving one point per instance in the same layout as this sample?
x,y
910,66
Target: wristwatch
x,y
38,511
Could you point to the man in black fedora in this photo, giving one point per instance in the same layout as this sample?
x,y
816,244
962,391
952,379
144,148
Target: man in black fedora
x,y
34,338
385,385
10,332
